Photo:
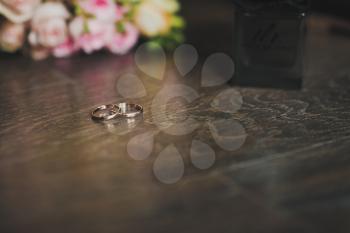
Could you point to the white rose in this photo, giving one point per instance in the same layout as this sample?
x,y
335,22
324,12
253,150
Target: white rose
x,y
152,20
76,27
49,27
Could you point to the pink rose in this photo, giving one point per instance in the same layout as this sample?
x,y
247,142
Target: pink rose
x,y
91,34
11,36
48,26
65,49
121,43
90,43
104,10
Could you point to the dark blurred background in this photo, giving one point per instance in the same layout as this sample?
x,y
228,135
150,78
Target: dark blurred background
x,y
340,8
210,35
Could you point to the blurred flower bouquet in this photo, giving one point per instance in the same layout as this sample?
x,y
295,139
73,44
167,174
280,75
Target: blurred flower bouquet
x,y
62,28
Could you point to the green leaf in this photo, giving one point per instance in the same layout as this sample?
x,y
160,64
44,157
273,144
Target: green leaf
x,y
120,27
178,21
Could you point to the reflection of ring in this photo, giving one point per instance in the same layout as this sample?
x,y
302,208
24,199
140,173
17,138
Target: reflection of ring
x,y
106,112
130,110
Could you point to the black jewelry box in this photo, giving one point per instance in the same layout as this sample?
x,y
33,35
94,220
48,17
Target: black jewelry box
x,y
269,41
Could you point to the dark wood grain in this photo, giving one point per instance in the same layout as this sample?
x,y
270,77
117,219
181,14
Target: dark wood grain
x,y
62,172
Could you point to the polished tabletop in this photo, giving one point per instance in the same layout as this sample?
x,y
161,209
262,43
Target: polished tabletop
x,y
276,161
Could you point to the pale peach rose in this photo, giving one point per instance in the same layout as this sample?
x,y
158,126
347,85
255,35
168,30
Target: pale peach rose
x,y
21,6
48,26
18,11
152,20
170,6
11,36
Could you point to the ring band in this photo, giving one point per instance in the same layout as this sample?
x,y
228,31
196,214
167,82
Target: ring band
x,y
130,110
113,111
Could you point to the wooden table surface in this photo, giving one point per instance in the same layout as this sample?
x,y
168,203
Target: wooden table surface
x,y
62,172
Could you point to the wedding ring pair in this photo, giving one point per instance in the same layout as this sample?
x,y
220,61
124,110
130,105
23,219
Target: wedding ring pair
x,y
111,111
